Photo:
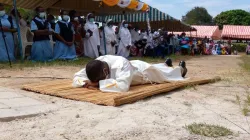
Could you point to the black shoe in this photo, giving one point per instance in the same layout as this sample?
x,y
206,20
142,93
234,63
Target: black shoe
x,y
169,62
184,70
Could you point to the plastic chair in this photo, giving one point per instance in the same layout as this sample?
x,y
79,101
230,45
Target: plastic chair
x,y
52,43
25,42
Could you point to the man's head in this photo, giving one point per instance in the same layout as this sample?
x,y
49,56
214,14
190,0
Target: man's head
x,y
40,12
110,23
97,70
137,28
51,18
65,15
2,11
125,24
91,18
73,15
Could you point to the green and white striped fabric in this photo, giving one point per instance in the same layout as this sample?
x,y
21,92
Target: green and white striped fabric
x,y
154,15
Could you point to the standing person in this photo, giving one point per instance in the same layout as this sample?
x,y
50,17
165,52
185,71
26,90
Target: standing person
x,y
117,38
74,19
125,40
8,27
64,48
248,49
184,44
111,39
52,22
41,48
92,38
22,24
135,37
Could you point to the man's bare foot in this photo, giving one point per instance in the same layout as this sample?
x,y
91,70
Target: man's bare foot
x,y
184,70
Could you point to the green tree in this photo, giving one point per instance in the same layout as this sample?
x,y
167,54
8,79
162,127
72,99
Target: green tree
x,y
233,17
198,16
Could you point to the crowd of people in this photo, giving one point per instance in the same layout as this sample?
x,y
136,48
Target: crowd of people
x,y
76,37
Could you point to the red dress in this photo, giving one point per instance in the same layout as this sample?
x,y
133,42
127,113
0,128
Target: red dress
x,y
78,38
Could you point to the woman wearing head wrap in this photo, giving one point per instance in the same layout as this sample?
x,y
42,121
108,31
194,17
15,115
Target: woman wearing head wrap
x,y
41,48
65,47
92,38
125,40
110,38
8,27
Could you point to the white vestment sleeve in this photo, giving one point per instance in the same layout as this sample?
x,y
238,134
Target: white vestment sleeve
x,y
122,82
80,78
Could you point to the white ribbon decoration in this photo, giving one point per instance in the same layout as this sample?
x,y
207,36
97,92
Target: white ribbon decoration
x,y
139,6
124,3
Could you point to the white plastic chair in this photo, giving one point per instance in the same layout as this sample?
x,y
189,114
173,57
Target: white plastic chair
x,y
25,42
52,43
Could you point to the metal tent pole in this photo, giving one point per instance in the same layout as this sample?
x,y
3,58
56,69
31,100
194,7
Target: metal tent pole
x,y
18,30
104,37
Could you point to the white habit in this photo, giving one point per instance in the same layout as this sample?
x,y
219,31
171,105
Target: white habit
x,y
110,36
125,41
124,73
135,36
91,42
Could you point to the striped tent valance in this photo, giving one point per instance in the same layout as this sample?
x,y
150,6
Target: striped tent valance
x,y
154,15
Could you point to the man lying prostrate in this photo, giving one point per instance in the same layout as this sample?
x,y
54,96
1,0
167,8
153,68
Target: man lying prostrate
x,y
116,74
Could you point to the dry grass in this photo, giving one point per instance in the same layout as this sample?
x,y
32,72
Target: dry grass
x,y
23,64
246,62
81,62
207,130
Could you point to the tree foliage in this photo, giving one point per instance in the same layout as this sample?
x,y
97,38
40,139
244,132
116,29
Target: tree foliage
x,y
198,16
25,13
233,17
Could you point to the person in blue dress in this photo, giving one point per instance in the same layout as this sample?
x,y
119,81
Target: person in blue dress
x,y
184,41
41,48
64,48
9,27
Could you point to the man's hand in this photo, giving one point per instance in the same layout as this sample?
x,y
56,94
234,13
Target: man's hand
x,y
90,85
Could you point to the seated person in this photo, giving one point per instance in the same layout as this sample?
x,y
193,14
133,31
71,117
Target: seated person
x,y
248,49
116,74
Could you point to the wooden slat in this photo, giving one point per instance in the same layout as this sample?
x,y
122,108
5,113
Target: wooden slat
x,y
63,89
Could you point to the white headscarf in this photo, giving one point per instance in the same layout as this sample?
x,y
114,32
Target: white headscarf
x,y
109,20
87,18
121,25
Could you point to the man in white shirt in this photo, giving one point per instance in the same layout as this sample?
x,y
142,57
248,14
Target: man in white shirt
x,y
117,74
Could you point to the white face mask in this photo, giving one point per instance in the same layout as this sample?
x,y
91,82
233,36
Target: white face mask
x,y
42,14
76,19
2,13
126,25
66,17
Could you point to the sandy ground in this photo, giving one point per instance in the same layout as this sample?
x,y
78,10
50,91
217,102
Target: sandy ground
x,y
160,117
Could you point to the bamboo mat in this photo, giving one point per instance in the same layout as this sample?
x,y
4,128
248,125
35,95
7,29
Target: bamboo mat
x,y
64,89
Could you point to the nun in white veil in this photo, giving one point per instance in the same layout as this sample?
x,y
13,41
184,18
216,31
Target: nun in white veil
x,y
92,39
110,38
125,40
